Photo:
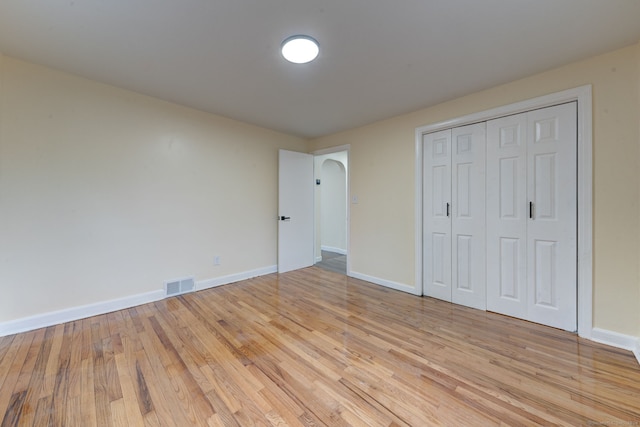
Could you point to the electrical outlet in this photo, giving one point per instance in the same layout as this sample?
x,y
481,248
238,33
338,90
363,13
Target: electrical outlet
x,y
216,260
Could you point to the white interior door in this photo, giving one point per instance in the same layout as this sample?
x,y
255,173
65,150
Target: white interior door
x,y
507,215
437,211
295,211
468,261
552,225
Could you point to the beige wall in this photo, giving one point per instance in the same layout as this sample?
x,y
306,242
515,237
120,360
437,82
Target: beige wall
x,y
638,120
383,173
105,193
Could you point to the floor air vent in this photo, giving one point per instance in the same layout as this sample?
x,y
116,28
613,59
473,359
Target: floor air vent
x,y
177,287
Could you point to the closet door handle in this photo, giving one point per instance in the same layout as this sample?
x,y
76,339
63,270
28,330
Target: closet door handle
x,y
448,206
530,210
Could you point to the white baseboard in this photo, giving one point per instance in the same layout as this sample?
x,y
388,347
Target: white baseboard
x,y
232,278
615,339
319,258
334,250
75,313
68,315
386,283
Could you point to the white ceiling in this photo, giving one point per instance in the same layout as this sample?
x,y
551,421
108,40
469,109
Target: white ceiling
x,y
378,58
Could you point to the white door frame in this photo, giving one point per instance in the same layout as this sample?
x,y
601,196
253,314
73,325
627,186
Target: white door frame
x,y
583,97
339,149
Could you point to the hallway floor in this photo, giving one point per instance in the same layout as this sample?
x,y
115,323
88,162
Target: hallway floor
x,y
333,262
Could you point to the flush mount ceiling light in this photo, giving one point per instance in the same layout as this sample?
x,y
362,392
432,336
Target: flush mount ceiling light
x,y
300,49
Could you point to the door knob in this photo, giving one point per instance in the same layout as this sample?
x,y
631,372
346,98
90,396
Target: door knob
x,y
285,218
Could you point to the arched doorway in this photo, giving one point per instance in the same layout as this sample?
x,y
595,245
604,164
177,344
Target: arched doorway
x,y
331,172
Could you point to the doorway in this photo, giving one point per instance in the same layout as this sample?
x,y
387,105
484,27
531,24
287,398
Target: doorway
x,y
331,170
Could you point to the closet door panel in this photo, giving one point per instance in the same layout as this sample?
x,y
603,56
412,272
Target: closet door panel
x,y
468,216
552,223
506,215
437,211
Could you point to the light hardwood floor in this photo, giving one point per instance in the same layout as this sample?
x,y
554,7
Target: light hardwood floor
x,y
311,348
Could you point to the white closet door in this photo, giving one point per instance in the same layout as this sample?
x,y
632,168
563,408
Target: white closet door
x,y
552,223
532,216
468,261
507,215
437,223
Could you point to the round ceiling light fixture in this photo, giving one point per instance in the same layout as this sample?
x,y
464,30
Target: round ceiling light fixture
x,y
300,49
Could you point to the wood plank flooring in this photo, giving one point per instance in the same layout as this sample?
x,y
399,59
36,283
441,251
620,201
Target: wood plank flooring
x,y
311,348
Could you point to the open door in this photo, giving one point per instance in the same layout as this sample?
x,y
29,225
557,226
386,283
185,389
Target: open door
x,y
295,211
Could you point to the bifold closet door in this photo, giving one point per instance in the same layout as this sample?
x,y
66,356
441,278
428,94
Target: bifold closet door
x,y
552,243
468,244
507,208
532,216
437,214
454,215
